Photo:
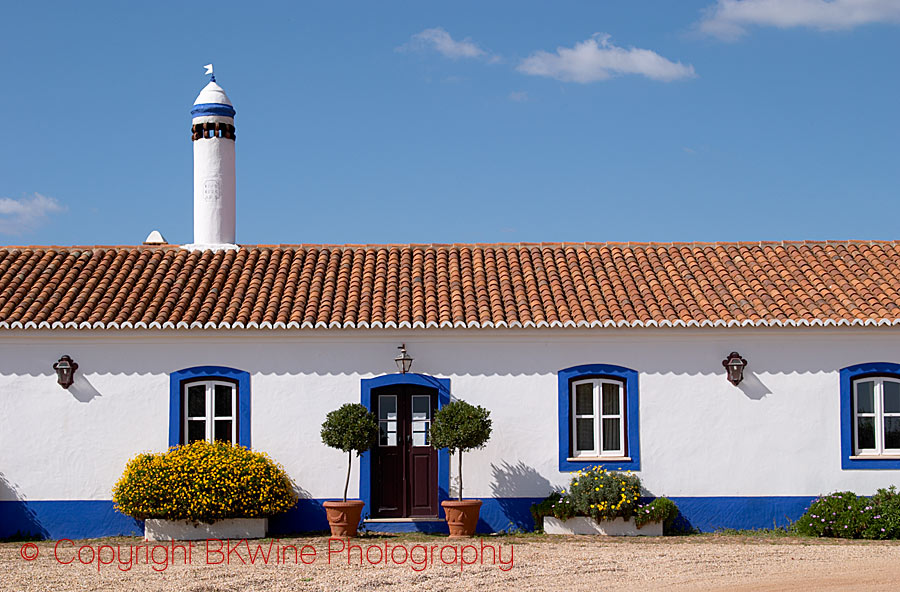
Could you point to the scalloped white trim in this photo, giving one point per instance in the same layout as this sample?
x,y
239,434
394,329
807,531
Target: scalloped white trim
x,y
502,324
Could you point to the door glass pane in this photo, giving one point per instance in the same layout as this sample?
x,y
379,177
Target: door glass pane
x,y
223,430
421,406
387,433
387,407
610,404
584,399
196,396
584,434
223,400
420,433
865,432
892,432
891,397
196,430
611,440
387,420
865,396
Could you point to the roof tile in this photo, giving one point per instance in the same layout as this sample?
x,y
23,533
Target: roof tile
x,y
422,286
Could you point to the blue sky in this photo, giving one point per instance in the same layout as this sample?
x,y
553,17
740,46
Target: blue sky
x,y
365,122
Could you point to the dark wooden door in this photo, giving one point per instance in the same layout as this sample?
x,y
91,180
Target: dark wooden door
x,y
404,467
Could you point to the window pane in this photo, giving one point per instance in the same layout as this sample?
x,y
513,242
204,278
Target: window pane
x,y
611,434
196,431
387,407
892,432
584,438
197,400
865,432
223,400
584,399
610,404
891,397
223,430
865,397
421,406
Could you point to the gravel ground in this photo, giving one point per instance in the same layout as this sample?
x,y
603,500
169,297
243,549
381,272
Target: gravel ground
x,y
703,562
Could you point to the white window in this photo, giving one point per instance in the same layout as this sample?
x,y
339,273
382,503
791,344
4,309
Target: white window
x,y
210,411
876,416
598,418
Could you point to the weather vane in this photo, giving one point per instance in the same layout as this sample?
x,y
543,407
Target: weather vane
x,y
209,70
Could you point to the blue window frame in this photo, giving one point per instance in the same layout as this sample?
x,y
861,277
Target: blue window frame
x,y
180,378
853,410
610,375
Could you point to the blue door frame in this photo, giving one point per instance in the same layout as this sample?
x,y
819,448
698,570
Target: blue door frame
x,y
365,465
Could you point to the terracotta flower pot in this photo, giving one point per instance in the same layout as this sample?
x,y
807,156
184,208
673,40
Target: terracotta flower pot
x,y
462,516
343,517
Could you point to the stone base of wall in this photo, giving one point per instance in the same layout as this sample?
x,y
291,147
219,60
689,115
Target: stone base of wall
x,y
586,525
181,530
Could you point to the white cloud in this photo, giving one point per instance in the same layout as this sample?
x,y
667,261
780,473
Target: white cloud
x,y
598,59
729,19
519,96
440,41
18,216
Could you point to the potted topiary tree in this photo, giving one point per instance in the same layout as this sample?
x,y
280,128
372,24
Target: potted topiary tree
x,y
461,427
351,428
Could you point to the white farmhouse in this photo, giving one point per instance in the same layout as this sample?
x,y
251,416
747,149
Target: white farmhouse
x,y
585,354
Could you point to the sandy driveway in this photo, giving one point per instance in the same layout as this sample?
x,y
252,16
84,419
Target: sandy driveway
x,y
527,563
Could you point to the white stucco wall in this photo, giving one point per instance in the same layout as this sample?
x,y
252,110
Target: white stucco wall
x,y
776,434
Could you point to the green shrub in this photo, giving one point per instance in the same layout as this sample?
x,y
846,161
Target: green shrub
x,y
845,515
556,505
351,428
460,427
662,509
203,482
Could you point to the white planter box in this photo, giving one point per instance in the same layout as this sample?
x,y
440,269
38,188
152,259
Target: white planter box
x,y
586,525
156,529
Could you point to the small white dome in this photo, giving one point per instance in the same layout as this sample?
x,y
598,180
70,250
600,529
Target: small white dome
x,y
212,93
155,238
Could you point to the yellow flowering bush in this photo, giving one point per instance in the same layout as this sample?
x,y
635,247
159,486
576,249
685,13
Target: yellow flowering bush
x,y
603,494
203,482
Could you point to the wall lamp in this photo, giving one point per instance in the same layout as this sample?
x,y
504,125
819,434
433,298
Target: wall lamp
x,y
65,371
735,365
404,360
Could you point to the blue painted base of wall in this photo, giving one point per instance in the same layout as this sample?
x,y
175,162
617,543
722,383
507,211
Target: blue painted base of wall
x,y
707,514
89,519
71,519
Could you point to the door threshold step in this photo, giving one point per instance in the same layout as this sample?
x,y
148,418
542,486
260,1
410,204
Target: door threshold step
x,y
386,520
401,525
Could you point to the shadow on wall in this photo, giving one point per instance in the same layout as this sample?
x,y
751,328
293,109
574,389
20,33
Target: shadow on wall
x,y
83,390
155,353
510,482
308,515
753,387
16,518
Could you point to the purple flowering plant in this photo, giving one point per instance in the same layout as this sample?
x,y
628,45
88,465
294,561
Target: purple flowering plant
x,y
846,515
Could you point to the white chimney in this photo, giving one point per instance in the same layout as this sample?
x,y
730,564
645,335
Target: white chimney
x,y
212,130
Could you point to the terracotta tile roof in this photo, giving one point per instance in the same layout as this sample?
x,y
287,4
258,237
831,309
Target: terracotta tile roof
x,y
425,286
